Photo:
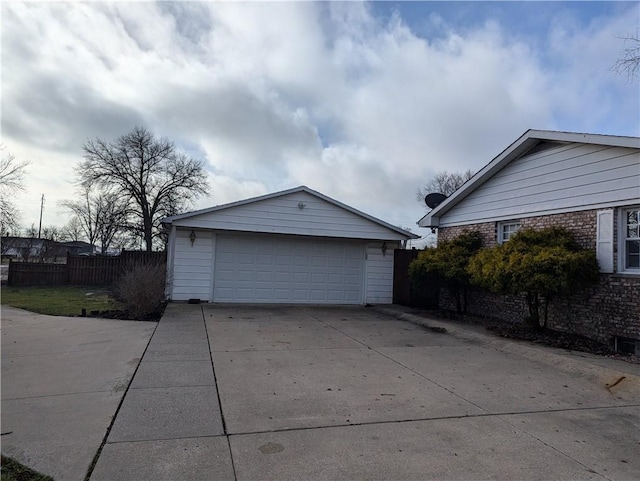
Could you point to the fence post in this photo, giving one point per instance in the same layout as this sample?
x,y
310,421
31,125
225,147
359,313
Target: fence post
x,y
66,275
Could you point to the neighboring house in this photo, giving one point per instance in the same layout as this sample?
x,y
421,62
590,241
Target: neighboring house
x,y
589,184
79,248
30,249
296,246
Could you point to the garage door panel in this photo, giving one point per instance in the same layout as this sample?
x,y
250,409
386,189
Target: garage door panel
x,y
283,269
351,280
335,295
301,261
318,261
300,277
336,261
264,259
318,278
281,294
264,276
283,260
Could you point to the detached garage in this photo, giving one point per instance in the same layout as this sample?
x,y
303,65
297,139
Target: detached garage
x,y
292,247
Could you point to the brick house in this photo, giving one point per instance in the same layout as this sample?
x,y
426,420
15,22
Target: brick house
x,y
589,184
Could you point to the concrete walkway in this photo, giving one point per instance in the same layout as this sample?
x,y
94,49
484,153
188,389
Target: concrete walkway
x,y
169,426
62,381
355,393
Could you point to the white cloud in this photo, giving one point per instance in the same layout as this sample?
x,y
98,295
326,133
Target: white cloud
x,y
275,95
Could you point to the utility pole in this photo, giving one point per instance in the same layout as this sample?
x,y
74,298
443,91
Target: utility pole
x,y
41,209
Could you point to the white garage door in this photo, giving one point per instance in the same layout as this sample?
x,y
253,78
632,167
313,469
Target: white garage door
x,y
287,269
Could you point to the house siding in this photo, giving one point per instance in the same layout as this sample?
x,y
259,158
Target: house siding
x,y
192,269
282,215
564,178
379,273
611,308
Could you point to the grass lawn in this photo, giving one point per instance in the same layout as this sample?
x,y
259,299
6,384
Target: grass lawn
x,y
59,300
14,471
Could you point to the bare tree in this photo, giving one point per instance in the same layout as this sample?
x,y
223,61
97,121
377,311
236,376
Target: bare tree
x,y
100,214
11,181
51,233
150,172
443,183
31,232
72,230
629,62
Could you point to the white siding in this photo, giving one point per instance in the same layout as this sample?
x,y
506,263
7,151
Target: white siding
x,y
192,273
379,273
282,215
568,177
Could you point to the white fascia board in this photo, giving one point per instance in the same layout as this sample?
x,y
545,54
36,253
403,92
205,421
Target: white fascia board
x,y
429,221
584,138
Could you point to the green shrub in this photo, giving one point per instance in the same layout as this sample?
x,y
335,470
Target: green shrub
x,y
142,289
449,260
542,264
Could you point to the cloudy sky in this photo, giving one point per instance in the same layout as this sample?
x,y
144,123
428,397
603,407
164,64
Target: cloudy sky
x,y
360,101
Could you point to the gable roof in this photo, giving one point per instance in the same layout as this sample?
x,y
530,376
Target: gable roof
x,y
300,189
524,145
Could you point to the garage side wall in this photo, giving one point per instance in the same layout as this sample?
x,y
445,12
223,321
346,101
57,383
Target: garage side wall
x,y
192,274
379,273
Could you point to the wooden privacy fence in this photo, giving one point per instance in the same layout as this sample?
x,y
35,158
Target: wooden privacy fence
x,y
79,270
403,292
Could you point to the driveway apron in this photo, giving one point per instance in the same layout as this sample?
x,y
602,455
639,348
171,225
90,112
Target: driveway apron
x,y
275,392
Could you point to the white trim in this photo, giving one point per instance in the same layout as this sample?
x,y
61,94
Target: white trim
x,y
365,274
500,226
622,223
214,238
604,240
170,260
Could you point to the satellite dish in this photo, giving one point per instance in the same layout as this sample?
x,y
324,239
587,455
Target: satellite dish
x,y
434,200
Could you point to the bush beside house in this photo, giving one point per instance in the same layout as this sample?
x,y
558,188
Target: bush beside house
x,y
606,310
541,264
449,262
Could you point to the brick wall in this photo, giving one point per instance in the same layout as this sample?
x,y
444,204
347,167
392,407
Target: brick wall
x,y
611,308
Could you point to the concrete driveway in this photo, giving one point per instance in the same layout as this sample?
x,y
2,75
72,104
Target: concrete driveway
x,y
62,381
260,393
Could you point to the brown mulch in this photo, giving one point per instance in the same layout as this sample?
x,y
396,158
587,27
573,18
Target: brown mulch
x,y
125,315
546,337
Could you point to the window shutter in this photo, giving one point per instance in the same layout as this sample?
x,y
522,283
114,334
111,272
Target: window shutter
x,y
604,240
